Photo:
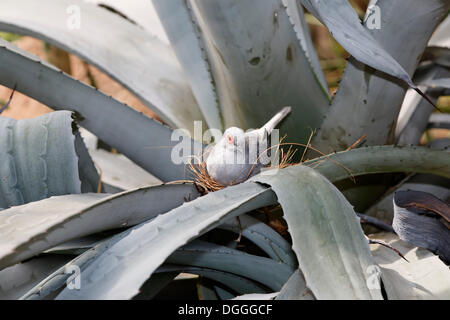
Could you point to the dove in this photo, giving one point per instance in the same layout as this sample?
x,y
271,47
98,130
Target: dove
x,y
236,156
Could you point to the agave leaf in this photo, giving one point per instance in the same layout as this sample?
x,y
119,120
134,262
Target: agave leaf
x,y
327,238
420,113
222,293
120,172
412,107
177,227
266,271
151,148
434,184
80,245
254,51
423,220
257,296
415,111
345,26
438,55
140,12
438,83
385,159
264,237
254,230
239,284
441,37
383,209
443,144
30,229
210,290
162,276
40,159
441,121
206,291
90,139
382,159
298,20
49,286
86,168
140,62
372,99
154,285
222,264
187,42
159,238
18,279
424,277
295,288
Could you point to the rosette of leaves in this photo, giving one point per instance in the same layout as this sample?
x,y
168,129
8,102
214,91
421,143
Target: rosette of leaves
x,y
226,63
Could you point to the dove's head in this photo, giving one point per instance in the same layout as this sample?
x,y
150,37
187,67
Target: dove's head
x,y
233,139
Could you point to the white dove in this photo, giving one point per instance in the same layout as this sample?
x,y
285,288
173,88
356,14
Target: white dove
x,y
236,156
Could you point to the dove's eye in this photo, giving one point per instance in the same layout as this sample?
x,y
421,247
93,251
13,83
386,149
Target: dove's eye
x,y
230,138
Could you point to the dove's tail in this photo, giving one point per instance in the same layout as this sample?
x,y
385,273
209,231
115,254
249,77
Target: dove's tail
x,y
275,121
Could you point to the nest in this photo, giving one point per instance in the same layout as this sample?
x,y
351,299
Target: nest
x,y
206,184
285,152
202,180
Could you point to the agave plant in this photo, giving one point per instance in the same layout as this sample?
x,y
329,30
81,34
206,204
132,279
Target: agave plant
x,y
68,232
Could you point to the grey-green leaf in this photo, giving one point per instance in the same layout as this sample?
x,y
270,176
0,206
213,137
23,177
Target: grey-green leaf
x,y
331,248
130,265
415,111
345,26
423,226
47,223
257,296
120,172
438,83
254,51
295,288
423,277
186,40
441,37
141,12
266,271
297,17
438,55
264,237
372,99
49,286
39,159
383,159
18,279
239,284
440,121
151,148
139,61
384,210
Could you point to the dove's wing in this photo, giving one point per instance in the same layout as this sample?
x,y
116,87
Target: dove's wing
x,y
275,121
